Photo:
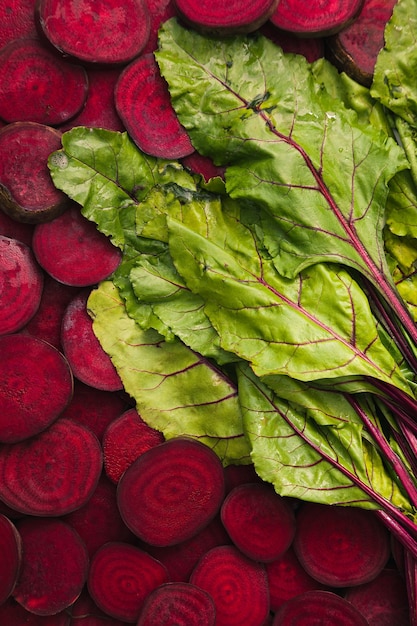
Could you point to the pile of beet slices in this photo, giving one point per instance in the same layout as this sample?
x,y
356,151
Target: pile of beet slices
x,y
102,522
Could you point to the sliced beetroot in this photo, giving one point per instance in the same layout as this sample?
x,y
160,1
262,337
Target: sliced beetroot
x,y
15,230
17,20
54,566
73,251
36,85
355,49
36,386
203,165
315,608
27,192
85,612
340,546
312,48
317,17
89,363
259,521
160,11
238,586
13,614
220,18
121,577
52,473
11,557
112,32
383,601
124,440
144,106
235,475
182,604
171,491
21,285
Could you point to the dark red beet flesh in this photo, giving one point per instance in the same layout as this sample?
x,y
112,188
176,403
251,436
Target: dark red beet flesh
x,y
36,387
13,614
219,17
54,566
21,285
73,251
160,11
52,473
17,20
144,105
182,604
11,557
15,230
203,165
317,17
121,577
171,491
112,32
315,608
312,48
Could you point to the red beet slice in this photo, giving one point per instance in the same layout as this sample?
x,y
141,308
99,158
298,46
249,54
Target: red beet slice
x,y
171,491
93,31
13,614
383,601
259,521
121,577
38,86
355,49
317,17
52,473
144,106
36,386
315,608
27,192
340,546
15,230
160,12
17,20
203,165
85,612
220,18
124,440
182,604
54,566
21,285
73,251
235,475
11,557
238,586
89,363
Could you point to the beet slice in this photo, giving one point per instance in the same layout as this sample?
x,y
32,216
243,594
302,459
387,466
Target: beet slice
x,y
27,192
15,230
235,475
38,86
143,103
182,604
316,608
17,20
171,491
85,612
11,557
73,251
238,586
259,521
54,566
340,546
111,32
315,18
160,12
89,363
52,473
124,440
21,285
121,577
355,49
203,165
13,614
228,18
29,369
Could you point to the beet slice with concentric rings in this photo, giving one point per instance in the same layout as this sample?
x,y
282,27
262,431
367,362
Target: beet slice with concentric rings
x,y
171,491
121,577
315,608
219,17
36,387
340,546
315,18
184,603
52,473
237,584
54,566
21,285
11,557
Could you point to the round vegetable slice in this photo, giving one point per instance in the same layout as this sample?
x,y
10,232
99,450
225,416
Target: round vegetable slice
x,y
54,566
52,473
36,386
238,586
121,577
21,285
317,17
11,557
171,491
232,17
180,603
315,608
259,521
340,546
93,31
